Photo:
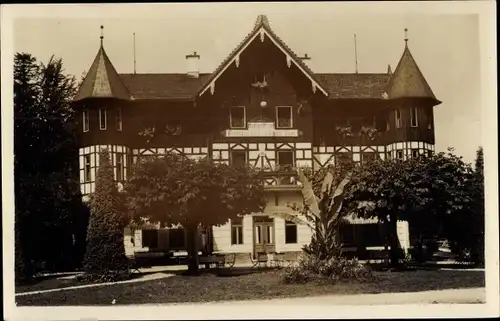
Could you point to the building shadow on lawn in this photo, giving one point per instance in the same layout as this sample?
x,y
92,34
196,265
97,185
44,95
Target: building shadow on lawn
x,y
225,272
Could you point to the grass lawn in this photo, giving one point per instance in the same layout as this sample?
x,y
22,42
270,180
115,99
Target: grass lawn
x,y
257,285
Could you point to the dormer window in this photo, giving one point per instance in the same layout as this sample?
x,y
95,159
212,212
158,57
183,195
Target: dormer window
x,y
414,117
284,117
102,118
398,118
119,122
86,120
237,117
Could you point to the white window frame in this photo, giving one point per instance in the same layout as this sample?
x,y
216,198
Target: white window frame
x,y
289,223
119,119
291,116
87,174
412,119
86,120
397,117
101,113
237,240
413,151
244,117
402,154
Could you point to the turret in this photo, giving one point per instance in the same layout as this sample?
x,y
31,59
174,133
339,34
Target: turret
x,y
101,101
411,100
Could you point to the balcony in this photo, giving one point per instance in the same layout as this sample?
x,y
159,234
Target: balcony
x,y
280,180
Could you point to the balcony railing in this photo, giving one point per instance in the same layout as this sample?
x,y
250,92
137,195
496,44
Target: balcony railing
x,y
285,179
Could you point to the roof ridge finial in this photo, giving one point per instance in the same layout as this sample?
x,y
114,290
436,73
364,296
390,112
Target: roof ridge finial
x,y
389,69
262,20
102,34
406,37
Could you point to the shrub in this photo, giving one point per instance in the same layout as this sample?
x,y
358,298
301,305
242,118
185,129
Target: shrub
x,y
105,258
309,268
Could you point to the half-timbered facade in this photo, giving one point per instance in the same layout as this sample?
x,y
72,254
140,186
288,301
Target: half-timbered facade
x,y
264,106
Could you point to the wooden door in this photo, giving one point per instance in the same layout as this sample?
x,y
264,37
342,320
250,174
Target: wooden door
x,y
264,240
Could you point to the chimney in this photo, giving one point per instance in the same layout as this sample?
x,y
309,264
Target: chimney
x,y
193,69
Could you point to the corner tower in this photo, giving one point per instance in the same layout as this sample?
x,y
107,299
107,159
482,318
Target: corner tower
x,y
411,116
100,103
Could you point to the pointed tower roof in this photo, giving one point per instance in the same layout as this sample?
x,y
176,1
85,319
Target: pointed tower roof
x,y
407,81
102,80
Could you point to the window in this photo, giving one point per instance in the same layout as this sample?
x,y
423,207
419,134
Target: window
x,y
150,238
284,117
414,153
414,115
285,160
119,166
238,157
102,118
429,153
367,157
176,238
86,168
119,123
86,121
398,118
237,231
290,232
399,154
238,117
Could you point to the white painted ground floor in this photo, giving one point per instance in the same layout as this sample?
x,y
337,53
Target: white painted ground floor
x,y
256,233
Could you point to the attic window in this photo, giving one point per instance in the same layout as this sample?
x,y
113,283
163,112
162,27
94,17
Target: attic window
x,y
237,117
398,118
414,117
103,118
86,120
119,122
283,117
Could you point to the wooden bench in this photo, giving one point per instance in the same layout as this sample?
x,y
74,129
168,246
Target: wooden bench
x,y
213,260
261,258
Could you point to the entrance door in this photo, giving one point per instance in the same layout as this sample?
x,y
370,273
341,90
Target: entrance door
x,y
263,234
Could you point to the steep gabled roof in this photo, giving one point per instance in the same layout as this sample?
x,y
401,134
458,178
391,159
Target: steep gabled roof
x,y
408,81
262,28
102,80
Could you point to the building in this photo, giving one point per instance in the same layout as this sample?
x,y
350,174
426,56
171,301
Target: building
x,y
261,105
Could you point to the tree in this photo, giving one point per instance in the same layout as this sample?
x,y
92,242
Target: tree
x,y
423,191
193,193
48,198
105,258
465,229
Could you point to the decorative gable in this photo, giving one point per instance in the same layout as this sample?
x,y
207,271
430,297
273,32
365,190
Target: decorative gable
x,y
262,31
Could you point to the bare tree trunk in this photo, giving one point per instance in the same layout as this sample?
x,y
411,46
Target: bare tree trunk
x,y
192,249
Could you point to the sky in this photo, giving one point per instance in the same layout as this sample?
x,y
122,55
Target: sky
x,y
445,46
